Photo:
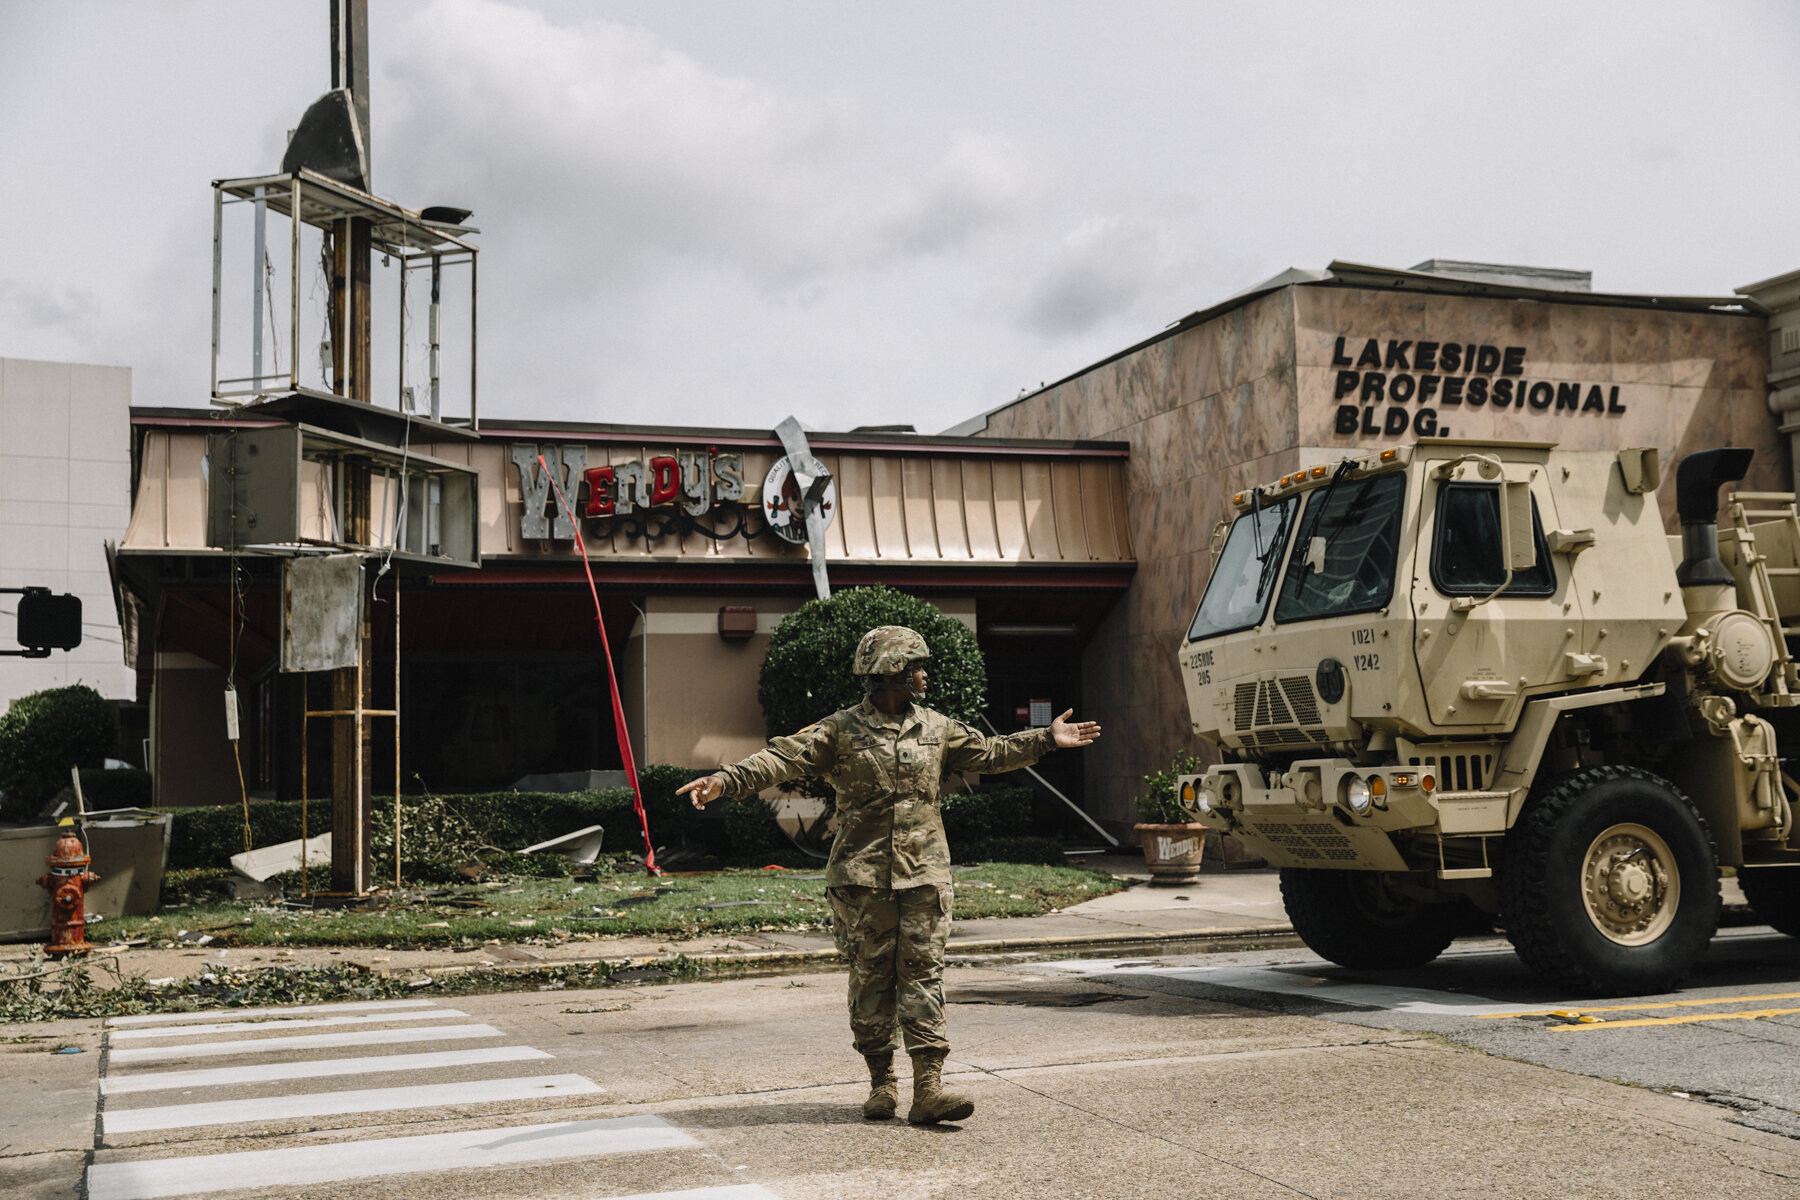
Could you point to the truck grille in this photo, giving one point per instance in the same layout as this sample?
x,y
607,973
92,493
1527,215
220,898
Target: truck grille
x,y
1314,840
1458,772
1289,701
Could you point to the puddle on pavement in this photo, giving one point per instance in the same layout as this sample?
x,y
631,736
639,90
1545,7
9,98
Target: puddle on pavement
x,y
1130,950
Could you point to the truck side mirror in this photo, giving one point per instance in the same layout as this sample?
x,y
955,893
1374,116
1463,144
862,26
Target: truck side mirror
x,y
1516,531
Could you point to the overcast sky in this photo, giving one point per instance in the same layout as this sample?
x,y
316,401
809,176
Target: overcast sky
x,y
723,213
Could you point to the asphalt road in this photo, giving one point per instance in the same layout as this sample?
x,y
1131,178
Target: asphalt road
x,y
1730,1037
1226,1075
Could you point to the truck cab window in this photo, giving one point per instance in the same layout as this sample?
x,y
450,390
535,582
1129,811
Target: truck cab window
x,y
1466,549
1237,595
1348,541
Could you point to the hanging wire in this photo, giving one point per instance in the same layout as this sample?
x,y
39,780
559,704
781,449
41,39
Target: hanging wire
x,y
236,622
274,329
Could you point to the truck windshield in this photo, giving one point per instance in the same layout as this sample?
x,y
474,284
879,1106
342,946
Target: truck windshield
x,y
1237,595
1344,554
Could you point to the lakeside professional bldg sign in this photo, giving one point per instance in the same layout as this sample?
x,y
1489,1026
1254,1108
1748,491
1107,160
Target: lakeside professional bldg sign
x,y
1396,386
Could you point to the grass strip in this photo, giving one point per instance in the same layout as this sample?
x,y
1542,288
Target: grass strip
x,y
548,911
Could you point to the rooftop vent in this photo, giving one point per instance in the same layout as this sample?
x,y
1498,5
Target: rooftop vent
x,y
1550,278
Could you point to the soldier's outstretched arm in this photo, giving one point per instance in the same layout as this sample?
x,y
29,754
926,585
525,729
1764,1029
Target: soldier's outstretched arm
x,y
811,751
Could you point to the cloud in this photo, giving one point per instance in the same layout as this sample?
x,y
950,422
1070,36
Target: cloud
x,y
68,312
612,153
1102,268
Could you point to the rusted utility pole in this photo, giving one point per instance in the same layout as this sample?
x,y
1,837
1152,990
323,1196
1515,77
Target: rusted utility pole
x,y
352,687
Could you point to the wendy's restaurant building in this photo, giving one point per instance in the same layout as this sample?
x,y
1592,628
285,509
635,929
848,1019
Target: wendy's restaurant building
x,y
695,556
1070,528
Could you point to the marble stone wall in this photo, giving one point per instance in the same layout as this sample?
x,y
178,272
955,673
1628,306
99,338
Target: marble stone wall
x,y
1207,411
1251,395
1685,381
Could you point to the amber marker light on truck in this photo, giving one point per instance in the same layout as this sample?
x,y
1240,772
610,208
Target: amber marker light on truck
x,y
1428,782
1378,790
1318,472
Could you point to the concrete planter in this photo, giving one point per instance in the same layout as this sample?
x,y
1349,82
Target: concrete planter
x,y
1172,852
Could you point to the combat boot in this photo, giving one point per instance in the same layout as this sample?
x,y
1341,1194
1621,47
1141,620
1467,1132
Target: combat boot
x,y
884,1087
931,1103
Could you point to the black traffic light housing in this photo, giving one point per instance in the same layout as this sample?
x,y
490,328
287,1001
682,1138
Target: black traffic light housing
x,y
46,622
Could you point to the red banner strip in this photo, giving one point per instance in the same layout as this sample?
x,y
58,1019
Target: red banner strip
x,y
612,676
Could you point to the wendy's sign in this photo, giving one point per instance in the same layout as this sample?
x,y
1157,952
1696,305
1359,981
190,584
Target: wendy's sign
x,y
692,480
1396,386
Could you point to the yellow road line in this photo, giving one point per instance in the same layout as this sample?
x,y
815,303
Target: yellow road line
x,y
1575,1012
1752,1015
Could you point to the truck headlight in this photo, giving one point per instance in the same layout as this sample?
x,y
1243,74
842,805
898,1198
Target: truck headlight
x,y
1356,794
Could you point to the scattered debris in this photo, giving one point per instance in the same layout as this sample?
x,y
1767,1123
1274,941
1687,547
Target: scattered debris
x,y
69,1050
262,863
641,975
583,845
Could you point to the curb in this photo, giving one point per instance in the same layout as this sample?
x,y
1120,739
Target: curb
x,y
973,946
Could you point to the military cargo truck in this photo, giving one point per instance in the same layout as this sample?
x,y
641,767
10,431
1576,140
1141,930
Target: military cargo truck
x,y
1478,674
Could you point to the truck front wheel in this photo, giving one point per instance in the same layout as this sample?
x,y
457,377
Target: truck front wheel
x,y
1610,885
1774,893
1359,919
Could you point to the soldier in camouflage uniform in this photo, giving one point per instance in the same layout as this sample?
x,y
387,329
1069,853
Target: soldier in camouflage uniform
x,y
889,875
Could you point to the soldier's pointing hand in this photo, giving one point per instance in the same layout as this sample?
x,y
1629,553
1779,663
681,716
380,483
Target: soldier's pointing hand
x,y
704,790
1070,734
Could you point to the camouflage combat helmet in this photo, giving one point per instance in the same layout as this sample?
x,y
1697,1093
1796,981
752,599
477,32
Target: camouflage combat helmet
x,y
887,649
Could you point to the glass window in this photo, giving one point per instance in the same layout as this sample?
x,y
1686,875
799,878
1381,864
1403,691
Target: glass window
x,y
1237,595
1467,558
1344,553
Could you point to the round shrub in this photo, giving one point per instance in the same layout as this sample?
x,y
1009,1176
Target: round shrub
x,y
806,674
44,734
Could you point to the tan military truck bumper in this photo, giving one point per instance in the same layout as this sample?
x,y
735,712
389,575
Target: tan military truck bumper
x,y
1321,812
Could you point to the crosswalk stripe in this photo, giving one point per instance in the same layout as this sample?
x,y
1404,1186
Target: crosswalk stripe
x,y
277,1025
154,1081
325,1104
244,1014
303,1041
142,1179
731,1191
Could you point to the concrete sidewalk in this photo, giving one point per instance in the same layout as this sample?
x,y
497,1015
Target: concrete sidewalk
x,y
1220,904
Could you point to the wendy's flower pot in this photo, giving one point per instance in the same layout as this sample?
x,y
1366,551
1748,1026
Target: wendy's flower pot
x,y
1172,852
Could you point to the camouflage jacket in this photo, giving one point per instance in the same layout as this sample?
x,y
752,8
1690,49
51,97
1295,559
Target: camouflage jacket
x,y
886,772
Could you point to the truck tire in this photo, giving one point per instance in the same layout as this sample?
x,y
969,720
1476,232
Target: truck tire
x,y
1774,892
1610,885
1355,919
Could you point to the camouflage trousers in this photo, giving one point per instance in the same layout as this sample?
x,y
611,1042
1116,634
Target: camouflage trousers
x,y
895,943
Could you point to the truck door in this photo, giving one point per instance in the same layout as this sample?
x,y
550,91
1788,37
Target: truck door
x,y
1480,641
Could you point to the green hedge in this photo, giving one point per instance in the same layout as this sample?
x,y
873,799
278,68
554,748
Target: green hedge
x,y
443,828
992,824
997,823
44,734
806,673
994,810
